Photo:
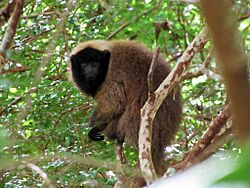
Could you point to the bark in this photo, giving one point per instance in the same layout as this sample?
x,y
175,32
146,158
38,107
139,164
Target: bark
x,y
231,60
154,101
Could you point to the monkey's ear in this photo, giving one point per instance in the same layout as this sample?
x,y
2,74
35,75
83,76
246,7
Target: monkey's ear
x,y
106,54
71,59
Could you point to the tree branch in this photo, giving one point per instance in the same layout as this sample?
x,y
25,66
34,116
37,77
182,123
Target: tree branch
x,y
112,35
45,59
201,71
214,130
154,101
18,99
39,171
6,11
15,70
81,107
148,166
11,31
232,61
151,70
58,14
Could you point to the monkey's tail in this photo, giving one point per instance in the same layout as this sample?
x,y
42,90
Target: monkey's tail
x,y
158,158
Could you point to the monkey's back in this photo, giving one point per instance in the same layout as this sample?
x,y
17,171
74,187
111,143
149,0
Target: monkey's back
x,y
130,72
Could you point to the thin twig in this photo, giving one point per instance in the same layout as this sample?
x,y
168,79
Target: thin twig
x,y
39,171
151,70
133,20
30,38
45,59
246,16
81,107
58,14
18,99
67,157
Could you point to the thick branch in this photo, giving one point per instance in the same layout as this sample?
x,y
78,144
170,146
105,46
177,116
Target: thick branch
x,y
15,70
148,166
154,101
11,31
232,61
222,138
202,70
213,133
6,12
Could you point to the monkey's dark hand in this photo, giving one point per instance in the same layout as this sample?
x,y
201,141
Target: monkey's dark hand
x,y
96,134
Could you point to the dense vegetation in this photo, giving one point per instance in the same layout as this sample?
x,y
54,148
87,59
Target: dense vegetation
x,y
43,117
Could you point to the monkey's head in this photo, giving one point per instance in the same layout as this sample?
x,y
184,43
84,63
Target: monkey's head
x,y
89,66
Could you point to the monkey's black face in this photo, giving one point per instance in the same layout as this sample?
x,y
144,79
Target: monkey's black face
x,y
89,69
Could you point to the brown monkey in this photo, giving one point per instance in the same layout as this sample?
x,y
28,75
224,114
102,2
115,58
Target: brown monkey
x,y
114,73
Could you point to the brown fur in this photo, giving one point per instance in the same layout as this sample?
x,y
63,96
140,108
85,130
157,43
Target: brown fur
x,y
124,92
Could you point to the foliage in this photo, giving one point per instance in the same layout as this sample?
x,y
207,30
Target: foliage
x,y
45,121
239,175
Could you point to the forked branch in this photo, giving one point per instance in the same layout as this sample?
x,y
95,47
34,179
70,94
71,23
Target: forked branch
x,y
153,103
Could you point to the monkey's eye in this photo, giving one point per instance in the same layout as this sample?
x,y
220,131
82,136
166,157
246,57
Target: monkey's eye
x,y
84,65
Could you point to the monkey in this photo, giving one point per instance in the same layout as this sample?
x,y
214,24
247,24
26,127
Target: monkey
x,y
115,73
